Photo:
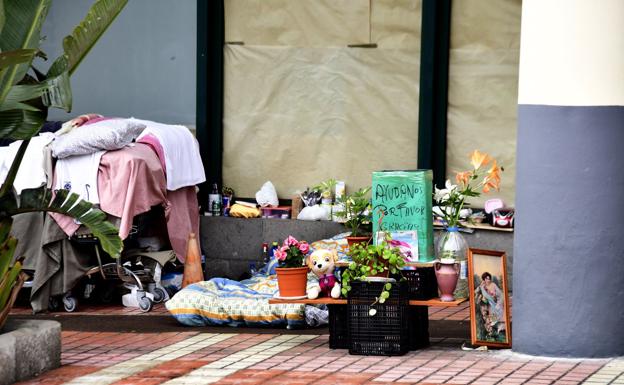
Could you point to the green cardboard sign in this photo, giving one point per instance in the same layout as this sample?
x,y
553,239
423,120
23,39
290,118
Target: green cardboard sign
x,y
404,198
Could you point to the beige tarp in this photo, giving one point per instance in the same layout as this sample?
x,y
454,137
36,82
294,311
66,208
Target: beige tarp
x,y
483,87
301,107
297,116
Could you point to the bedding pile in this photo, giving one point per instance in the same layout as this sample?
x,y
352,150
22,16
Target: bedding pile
x,y
222,301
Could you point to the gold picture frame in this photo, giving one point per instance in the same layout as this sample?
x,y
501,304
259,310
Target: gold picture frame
x,y
489,303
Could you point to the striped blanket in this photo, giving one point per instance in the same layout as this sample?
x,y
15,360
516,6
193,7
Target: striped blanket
x,y
221,301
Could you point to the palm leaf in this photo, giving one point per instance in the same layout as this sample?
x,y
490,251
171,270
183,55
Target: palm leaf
x,y
56,92
22,30
2,16
8,281
86,34
21,124
40,199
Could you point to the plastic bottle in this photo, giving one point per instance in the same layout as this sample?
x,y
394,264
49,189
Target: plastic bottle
x,y
265,253
274,246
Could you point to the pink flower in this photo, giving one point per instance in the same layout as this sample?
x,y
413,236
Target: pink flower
x,y
280,255
291,241
304,247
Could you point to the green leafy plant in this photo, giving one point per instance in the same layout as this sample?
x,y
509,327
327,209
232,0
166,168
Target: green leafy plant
x,y
356,210
26,94
373,260
326,188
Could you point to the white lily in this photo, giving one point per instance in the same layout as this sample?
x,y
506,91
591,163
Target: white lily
x,y
442,195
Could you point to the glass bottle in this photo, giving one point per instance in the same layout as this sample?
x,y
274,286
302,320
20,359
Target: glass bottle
x,y
214,201
452,245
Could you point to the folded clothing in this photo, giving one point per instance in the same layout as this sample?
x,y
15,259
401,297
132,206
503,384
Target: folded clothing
x,y
182,159
241,211
79,175
110,134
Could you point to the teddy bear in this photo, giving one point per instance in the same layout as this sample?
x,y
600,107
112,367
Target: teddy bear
x,y
322,262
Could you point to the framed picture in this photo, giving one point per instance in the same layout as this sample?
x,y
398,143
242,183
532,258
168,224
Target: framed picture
x,y
489,303
405,240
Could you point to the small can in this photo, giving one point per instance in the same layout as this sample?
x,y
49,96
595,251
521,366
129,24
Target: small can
x,y
226,206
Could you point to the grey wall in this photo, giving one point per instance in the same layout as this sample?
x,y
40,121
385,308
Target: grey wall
x,y
143,66
568,285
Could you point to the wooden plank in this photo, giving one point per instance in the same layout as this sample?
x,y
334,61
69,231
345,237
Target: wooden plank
x,y
437,225
340,301
413,264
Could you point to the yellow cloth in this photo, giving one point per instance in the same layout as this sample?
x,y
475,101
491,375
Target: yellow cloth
x,y
240,211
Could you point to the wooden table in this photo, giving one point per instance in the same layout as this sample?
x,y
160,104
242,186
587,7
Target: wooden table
x,y
337,336
340,301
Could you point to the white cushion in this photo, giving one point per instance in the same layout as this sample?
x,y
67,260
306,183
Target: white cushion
x,y
110,134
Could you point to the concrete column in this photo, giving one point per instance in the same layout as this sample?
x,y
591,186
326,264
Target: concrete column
x,y
569,240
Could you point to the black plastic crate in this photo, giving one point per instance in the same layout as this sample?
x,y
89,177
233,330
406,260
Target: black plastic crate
x,y
418,327
387,332
422,283
338,327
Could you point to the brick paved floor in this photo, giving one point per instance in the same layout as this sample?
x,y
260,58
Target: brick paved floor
x,y
232,357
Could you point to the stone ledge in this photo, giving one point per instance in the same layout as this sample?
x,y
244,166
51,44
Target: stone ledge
x,y
28,348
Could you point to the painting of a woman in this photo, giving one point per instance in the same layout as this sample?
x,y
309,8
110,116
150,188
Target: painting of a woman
x,y
489,308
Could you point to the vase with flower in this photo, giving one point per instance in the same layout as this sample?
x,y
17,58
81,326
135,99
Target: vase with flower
x,y
292,274
451,201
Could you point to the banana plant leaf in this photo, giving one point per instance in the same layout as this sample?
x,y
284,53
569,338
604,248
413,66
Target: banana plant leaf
x,y
86,34
64,202
56,92
21,30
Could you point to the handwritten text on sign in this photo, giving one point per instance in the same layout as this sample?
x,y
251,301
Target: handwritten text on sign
x,y
403,198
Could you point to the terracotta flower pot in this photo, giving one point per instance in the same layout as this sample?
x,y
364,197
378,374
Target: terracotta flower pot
x,y
292,281
354,240
446,275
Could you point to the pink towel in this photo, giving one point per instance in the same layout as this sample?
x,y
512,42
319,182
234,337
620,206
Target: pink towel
x,y
154,143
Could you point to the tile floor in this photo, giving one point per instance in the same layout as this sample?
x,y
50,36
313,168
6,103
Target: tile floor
x,y
232,357
235,358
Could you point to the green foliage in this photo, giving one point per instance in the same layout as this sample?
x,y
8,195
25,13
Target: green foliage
x,y
25,96
372,260
326,188
357,211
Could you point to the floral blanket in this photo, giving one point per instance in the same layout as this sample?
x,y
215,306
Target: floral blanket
x,y
221,301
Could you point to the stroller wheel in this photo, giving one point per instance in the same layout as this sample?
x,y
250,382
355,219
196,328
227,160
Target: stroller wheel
x,y
159,295
69,303
145,304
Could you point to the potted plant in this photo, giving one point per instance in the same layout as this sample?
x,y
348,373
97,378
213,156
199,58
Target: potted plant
x,y
25,96
372,262
451,247
356,210
292,274
326,189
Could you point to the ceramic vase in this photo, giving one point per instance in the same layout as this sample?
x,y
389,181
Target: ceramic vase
x,y
452,245
446,275
292,281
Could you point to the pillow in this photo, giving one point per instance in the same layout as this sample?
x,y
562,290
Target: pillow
x,y
111,134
